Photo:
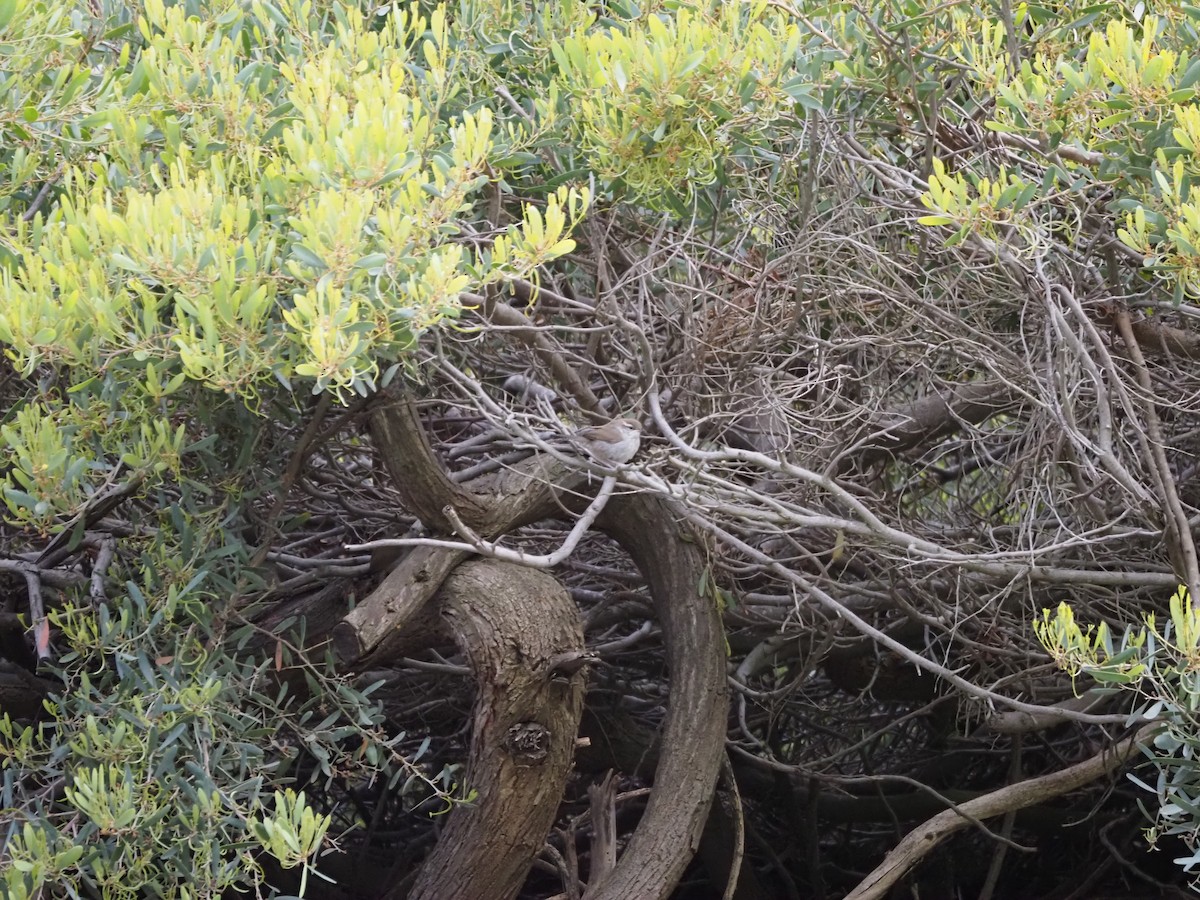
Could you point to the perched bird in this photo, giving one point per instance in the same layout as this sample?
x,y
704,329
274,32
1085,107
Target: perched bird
x,y
611,444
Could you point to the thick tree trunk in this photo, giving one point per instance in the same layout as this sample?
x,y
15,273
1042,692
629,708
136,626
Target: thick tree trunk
x,y
512,624
668,557
693,741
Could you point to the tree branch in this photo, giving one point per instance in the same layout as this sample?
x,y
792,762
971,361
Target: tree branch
x,y
919,842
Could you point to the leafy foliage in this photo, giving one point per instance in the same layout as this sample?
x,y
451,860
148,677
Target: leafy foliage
x,y
1162,668
663,101
155,772
214,208
241,200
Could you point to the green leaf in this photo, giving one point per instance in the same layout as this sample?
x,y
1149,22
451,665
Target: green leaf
x,y
1026,195
121,261
307,257
20,498
1189,79
800,90
372,261
692,62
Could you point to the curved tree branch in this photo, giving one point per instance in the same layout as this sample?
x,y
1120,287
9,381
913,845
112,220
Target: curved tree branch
x,y
650,530
918,843
397,432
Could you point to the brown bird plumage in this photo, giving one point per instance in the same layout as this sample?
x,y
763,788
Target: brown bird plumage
x,y
612,443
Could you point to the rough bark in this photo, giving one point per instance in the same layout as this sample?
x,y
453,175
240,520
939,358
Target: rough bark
x,y
384,613
1157,339
693,740
511,622
668,557
516,497
491,505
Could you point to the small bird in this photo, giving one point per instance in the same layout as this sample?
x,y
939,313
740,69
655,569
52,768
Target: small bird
x,y
611,444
